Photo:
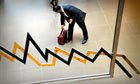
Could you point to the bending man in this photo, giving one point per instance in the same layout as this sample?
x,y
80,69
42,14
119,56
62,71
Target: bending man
x,y
72,15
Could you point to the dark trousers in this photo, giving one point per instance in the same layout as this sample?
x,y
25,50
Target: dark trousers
x,y
54,3
82,26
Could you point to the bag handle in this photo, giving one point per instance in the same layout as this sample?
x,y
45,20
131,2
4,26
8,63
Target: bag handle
x,y
62,31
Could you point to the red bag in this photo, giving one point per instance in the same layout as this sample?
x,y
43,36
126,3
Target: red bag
x,y
62,37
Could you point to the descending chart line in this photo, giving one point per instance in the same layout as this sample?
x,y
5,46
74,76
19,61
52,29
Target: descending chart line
x,y
45,55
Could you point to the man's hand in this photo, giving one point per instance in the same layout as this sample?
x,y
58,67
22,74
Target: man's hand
x,y
70,21
62,27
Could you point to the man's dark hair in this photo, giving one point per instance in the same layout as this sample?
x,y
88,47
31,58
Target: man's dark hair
x,y
56,8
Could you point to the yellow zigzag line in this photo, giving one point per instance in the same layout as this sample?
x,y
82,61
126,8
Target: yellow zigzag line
x,y
56,50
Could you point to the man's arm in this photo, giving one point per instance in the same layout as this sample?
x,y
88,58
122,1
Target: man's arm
x,y
62,20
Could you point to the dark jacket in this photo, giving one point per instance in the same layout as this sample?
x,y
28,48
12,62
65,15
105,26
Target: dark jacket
x,y
74,13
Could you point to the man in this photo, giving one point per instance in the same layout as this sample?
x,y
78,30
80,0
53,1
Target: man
x,y
72,15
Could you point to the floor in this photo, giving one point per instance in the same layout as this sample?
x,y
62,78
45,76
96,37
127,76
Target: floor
x,y
35,17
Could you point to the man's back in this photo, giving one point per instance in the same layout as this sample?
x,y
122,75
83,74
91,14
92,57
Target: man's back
x,y
74,12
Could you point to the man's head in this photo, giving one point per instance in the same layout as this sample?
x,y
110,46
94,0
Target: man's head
x,y
57,9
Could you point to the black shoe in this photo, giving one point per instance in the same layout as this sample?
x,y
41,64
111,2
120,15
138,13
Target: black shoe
x,y
52,4
67,41
84,41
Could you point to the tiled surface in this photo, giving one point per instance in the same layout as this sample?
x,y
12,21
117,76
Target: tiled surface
x,y
17,17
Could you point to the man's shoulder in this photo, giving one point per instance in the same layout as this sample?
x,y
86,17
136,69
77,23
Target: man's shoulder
x,y
67,6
